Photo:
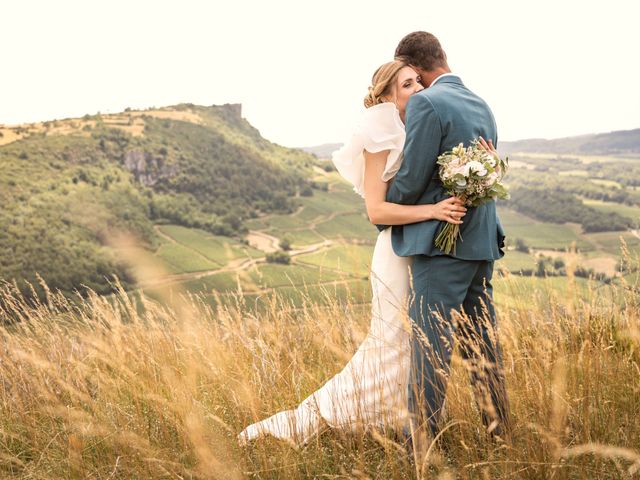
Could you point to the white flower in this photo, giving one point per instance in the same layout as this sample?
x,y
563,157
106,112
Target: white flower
x,y
477,168
462,169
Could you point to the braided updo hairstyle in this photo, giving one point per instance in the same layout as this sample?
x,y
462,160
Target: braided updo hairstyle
x,y
383,82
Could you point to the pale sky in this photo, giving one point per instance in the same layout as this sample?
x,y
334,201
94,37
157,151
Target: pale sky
x,y
547,68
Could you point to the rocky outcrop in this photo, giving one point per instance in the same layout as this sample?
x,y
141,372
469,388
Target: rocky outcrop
x,y
147,168
235,109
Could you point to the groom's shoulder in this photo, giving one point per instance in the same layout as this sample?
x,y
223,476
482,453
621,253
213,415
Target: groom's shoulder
x,y
453,95
435,97
436,91
421,101
431,96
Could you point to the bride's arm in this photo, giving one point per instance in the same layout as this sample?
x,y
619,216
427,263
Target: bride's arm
x,y
381,212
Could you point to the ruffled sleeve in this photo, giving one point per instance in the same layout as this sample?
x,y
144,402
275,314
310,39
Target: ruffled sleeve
x,y
379,129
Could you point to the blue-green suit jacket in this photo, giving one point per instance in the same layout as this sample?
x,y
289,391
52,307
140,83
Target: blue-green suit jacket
x,y
437,119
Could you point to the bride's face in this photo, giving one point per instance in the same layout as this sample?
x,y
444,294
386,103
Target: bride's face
x,y
408,83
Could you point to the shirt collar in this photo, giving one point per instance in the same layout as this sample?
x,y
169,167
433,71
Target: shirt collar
x,y
441,76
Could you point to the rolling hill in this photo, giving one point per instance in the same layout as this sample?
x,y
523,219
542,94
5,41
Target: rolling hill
x,y
68,186
621,142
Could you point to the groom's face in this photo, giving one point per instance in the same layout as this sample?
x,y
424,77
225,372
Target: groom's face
x,y
407,84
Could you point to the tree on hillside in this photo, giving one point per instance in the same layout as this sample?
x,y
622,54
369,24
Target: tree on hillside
x,y
521,246
285,244
279,257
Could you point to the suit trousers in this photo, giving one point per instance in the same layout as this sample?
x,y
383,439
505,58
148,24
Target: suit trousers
x,y
452,299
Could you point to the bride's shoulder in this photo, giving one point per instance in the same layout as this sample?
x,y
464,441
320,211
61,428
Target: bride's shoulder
x,y
383,114
380,128
382,123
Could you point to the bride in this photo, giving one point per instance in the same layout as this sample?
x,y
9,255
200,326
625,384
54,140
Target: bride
x,y
371,390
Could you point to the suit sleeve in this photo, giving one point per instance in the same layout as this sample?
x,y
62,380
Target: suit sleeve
x,y
422,145
495,127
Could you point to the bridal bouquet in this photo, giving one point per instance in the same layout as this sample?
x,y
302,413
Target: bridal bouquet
x,y
474,175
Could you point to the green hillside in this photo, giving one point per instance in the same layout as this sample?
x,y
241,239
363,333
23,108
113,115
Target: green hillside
x,y
68,187
612,143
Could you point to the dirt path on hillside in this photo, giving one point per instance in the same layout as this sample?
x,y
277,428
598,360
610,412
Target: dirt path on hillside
x,y
320,219
163,235
234,265
263,241
312,248
258,239
237,265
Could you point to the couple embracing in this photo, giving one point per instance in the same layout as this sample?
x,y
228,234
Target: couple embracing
x,y
424,300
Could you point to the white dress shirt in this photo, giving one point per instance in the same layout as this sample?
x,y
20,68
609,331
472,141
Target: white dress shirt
x,y
443,75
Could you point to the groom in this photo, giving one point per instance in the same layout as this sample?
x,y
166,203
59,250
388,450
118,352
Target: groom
x,y
452,294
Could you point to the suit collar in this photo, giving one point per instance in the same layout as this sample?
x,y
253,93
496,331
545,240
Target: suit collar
x,y
447,78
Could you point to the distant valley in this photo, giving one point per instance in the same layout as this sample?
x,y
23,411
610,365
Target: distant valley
x,y
621,142
199,195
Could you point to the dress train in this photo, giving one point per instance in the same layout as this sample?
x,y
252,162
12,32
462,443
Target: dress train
x,y
371,390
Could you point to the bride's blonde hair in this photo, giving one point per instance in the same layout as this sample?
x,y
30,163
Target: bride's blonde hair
x,y
383,82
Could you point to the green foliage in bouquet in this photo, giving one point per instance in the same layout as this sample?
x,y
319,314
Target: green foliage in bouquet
x,y
474,175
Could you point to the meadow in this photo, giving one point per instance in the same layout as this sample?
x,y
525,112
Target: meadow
x,y
130,387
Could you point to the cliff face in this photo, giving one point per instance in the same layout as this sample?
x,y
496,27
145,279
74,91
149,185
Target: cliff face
x,y
234,109
146,168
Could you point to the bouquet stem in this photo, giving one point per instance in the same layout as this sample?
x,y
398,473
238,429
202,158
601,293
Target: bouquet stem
x,y
446,239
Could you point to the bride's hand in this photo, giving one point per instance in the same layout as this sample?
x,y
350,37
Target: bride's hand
x,y
488,146
449,210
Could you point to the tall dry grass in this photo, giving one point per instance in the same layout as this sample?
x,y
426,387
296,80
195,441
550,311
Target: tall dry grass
x,y
103,388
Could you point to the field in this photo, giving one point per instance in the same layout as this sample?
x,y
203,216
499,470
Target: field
x,y
611,241
349,258
332,243
541,235
117,387
607,207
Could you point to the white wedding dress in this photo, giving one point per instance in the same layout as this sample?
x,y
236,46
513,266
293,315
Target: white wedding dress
x,y
371,390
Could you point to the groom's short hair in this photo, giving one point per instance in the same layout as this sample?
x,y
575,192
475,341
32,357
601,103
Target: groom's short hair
x,y
421,49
